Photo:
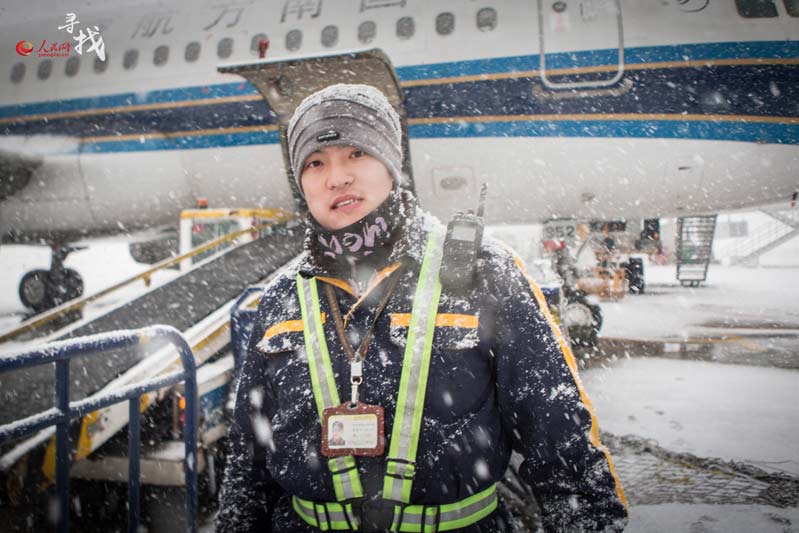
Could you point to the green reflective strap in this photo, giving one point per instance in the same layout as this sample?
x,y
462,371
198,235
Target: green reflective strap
x,y
320,333
331,516
398,481
452,515
314,352
322,380
346,481
396,519
397,469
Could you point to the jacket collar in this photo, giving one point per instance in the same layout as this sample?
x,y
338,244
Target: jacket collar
x,y
407,250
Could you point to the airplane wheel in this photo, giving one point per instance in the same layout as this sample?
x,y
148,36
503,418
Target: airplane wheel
x,y
583,321
39,291
69,286
583,337
33,290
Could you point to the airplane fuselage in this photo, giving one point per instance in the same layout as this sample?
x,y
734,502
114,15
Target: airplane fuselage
x,y
662,109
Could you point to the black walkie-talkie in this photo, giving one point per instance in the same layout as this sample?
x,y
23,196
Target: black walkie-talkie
x,y
462,244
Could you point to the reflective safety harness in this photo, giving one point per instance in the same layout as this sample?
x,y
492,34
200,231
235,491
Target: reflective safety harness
x,y
393,511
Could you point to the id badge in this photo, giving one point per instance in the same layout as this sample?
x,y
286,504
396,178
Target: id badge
x,y
353,430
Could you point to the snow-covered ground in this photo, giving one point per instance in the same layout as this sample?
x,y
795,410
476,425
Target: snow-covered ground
x,y
732,300
733,412
673,518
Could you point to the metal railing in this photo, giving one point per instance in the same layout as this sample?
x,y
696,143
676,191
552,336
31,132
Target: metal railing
x,y
782,227
60,416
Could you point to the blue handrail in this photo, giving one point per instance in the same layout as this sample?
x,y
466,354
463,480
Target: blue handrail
x,y
60,353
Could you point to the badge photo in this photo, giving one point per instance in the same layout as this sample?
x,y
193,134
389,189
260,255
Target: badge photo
x,y
355,430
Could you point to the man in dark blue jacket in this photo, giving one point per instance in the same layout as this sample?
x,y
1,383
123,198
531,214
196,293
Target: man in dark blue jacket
x,y
431,390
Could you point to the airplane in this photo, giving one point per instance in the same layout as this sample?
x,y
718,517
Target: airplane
x,y
567,109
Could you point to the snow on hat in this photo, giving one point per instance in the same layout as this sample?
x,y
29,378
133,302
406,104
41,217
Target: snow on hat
x,y
346,115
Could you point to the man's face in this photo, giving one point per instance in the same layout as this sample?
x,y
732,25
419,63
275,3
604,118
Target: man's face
x,y
342,184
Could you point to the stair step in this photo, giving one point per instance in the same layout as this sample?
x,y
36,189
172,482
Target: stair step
x,y
695,247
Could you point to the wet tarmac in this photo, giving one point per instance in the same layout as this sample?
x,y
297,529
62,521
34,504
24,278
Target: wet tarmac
x,y
757,348
654,475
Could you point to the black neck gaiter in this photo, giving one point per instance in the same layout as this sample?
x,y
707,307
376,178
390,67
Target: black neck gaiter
x,y
365,242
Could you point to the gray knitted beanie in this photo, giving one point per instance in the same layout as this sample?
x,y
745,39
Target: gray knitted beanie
x,y
346,115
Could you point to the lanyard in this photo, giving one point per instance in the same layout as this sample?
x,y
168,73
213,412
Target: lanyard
x,y
356,359
401,459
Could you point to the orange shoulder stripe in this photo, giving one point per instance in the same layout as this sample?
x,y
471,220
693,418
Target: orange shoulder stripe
x,y
572,364
403,320
341,284
287,326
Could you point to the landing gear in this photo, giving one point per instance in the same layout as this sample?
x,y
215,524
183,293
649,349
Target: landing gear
x,y
33,290
582,320
634,268
41,290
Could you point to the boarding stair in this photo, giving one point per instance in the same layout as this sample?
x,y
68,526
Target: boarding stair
x,y
694,248
181,303
783,227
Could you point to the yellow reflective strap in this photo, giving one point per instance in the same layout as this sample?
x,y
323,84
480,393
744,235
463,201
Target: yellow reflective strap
x,y
346,481
398,481
325,516
450,516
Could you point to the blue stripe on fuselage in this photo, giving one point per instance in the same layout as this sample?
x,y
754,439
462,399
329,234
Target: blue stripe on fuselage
x,y
769,91
667,129
765,90
709,51
129,99
632,56
183,143
664,129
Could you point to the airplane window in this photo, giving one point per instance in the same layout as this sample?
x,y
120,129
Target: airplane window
x,y
130,59
161,55
445,23
73,65
17,72
100,66
792,7
225,48
756,9
329,36
45,68
367,31
405,28
487,19
293,40
192,52
257,39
